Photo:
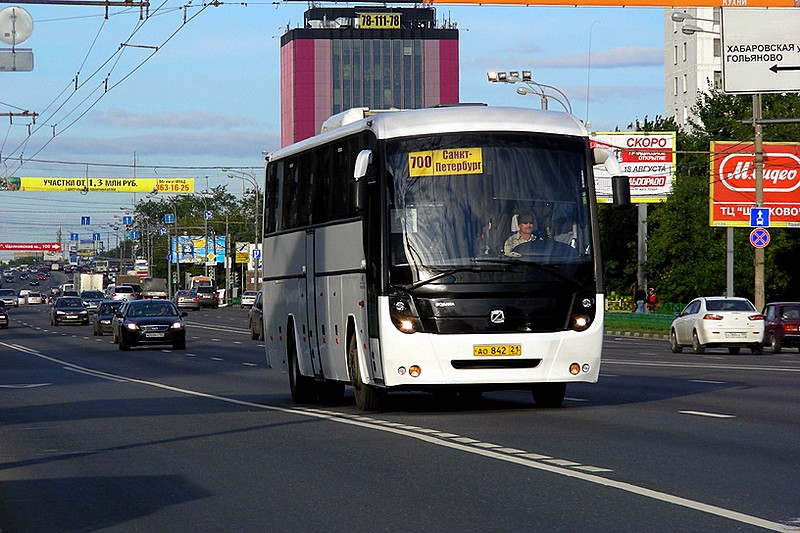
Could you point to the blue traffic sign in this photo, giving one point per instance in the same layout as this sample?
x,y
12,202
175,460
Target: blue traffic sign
x,y
95,236
759,217
134,234
85,221
73,237
127,220
169,218
208,215
162,231
256,253
759,238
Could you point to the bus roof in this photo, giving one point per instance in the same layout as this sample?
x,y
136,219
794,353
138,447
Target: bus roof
x,y
452,119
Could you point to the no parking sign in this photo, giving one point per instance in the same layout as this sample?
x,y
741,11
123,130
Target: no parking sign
x,y
759,238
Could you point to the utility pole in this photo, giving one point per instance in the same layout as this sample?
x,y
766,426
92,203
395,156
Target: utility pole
x,y
758,262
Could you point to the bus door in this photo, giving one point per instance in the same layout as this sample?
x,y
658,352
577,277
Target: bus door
x,y
309,335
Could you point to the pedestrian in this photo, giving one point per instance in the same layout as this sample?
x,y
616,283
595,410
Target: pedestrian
x,y
640,298
651,300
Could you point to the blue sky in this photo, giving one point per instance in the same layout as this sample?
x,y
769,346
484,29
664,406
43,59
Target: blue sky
x,y
209,97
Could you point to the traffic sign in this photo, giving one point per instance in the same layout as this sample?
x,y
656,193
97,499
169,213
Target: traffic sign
x,y
169,218
95,236
759,238
759,217
73,237
85,221
760,53
134,234
162,231
256,253
127,220
208,215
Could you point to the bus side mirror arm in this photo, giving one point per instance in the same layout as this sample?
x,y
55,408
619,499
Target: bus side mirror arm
x,y
358,185
620,185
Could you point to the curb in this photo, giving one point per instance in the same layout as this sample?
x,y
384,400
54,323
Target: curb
x,y
659,336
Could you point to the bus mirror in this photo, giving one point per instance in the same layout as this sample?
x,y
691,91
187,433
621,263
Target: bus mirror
x,y
358,186
363,160
621,190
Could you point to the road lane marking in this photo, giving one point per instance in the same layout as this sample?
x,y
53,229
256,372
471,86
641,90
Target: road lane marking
x,y
483,449
708,381
701,365
709,415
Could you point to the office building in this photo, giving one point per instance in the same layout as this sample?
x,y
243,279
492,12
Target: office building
x,y
376,57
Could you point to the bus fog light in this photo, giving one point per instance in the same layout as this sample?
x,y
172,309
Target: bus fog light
x,y
585,367
414,371
401,371
574,369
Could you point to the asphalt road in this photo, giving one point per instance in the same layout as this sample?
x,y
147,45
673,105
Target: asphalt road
x,y
208,439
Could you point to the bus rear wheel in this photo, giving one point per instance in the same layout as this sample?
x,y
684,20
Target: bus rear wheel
x,y
368,398
549,395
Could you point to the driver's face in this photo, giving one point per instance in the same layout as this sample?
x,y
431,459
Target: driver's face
x,y
525,228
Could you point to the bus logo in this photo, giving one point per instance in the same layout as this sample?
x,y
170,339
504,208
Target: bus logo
x,y
497,316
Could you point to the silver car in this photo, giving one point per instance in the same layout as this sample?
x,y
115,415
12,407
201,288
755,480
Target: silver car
x,y
718,322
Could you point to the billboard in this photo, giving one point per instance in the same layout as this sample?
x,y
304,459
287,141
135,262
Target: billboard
x,y
732,188
196,250
146,185
30,246
647,158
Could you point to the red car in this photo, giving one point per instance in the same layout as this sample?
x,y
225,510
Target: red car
x,y
782,325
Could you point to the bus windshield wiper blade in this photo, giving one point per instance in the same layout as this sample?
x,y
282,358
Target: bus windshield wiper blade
x,y
547,269
449,272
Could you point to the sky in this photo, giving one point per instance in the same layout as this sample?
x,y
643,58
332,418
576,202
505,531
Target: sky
x,y
195,88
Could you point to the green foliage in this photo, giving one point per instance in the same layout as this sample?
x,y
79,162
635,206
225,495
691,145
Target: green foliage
x,y
686,257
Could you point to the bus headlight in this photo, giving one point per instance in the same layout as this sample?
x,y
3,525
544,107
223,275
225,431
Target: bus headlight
x,y
403,315
583,312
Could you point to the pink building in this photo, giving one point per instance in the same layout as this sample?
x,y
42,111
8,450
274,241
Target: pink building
x,y
374,57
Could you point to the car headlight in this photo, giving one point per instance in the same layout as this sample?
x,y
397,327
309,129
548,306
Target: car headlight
x,y
61,313
105,322
131,326
177,325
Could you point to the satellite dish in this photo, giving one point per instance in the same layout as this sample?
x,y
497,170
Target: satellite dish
x,y
16,25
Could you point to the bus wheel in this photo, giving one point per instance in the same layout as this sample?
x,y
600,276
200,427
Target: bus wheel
x,y
368,398
302,387
549,394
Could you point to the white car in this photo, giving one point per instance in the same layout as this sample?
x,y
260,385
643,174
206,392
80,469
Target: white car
x,y
249,298
33,298
718,322
23,296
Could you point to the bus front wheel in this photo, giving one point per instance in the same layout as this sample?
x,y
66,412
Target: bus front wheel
x,y
302,387
368,398
549,394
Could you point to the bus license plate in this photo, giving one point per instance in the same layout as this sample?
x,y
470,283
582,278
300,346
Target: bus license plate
x,y
496,350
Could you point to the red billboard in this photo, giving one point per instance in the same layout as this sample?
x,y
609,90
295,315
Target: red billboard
x,y
733,183
30,246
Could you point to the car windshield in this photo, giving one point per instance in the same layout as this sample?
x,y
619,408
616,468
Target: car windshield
x,y
153,309
124,289
92,294
109,308
729,305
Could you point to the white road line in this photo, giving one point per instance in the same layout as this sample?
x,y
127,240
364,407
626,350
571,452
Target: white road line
x,y
709,381
710,415
525,460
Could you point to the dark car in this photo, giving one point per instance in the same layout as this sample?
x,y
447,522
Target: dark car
x,y
69,309
3,316
92,299
255,319
150,322
208,296
105,314
782,325
187,299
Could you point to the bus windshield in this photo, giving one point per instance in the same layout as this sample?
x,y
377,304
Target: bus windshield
x,y
473,204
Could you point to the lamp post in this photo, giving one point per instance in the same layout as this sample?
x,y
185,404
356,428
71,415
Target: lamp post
x,y
246,176
533,87
589,72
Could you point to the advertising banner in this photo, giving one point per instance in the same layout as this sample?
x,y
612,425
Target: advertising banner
x,y
733,184
195,250
146,185
31,246
648,159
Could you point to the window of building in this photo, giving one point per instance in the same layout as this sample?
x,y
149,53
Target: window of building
x,y
675,55
717,79
675,86
685,83
685,51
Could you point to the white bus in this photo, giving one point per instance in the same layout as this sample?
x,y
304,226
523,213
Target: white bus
x,y
384,259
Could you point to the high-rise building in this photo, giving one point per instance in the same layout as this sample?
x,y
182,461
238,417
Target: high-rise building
x,y
692,62
376,57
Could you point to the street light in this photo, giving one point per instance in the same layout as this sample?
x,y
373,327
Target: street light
x,y
679,16
233,173
533,87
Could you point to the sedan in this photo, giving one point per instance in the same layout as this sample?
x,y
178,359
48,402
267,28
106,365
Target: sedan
x,y
8,298
92,299
249,298
33,298
69,309
105,314
187,300
150,322
255,319
782,326
715,322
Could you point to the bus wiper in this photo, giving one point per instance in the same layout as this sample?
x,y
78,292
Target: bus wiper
x,y
547,269
451,271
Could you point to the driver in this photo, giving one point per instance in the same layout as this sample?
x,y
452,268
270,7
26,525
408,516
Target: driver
x,y
525,234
